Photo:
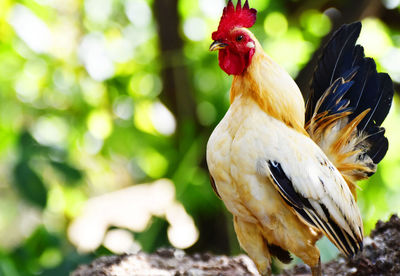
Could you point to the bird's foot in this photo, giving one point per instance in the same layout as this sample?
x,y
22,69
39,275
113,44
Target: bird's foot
x,y
317,270
266,272
263,267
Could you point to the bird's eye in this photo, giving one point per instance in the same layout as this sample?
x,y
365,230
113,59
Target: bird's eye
x,y
239,38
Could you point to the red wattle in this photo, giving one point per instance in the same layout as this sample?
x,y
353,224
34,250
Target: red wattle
x,y
233,63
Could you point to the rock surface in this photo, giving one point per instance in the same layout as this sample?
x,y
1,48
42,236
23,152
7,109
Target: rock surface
x,y
167,262
381,256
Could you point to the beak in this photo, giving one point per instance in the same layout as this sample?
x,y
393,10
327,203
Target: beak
x,y
216,45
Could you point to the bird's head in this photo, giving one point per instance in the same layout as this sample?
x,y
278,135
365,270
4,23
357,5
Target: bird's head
x,y
234,42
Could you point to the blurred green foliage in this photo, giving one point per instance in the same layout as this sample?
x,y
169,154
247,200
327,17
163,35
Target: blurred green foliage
x,y
81,115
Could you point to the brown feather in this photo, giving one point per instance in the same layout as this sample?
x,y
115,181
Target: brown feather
x,y
347,132
321,125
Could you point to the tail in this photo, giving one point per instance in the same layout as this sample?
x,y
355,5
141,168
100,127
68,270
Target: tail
x,y
348,104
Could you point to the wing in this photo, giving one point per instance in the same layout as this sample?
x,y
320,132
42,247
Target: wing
x,y
349,102
318,194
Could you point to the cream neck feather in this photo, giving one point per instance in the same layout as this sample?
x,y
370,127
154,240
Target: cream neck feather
x,y
272,88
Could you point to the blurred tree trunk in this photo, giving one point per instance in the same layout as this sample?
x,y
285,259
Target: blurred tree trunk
x,y
177,93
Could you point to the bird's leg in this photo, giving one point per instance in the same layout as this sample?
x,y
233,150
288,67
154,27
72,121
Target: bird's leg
x,y
310,255
317,270
252,241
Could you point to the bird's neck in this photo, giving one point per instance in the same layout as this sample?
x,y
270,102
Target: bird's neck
x,y
272,88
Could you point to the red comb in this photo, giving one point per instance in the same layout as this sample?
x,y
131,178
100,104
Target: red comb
x,y
231,18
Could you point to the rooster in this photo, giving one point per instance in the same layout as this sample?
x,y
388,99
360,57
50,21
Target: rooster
x,y
288,172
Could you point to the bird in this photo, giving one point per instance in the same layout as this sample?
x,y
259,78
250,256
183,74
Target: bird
x,y
287,170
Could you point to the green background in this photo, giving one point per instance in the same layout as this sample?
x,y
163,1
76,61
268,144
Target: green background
x,y
102,95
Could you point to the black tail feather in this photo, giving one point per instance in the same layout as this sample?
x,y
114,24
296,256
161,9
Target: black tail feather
x,y
368,89
334,62
382,104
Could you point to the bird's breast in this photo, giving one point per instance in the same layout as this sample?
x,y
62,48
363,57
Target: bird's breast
x,y
232,153
219,157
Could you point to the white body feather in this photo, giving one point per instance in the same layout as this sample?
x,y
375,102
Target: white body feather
x,y
237,153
